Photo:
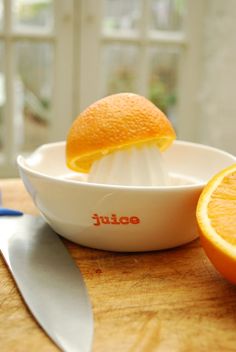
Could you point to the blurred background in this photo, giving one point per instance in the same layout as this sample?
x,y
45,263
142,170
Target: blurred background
x,y
57,57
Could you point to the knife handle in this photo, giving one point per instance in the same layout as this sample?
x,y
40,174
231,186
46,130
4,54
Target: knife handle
x,y
10,212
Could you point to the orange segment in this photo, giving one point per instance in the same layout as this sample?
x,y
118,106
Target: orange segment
x,y
216,216
115,122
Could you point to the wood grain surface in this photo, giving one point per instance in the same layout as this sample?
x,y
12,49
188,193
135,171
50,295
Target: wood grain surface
x,y
171,300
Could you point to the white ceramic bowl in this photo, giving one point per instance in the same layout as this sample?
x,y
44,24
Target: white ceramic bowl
x,y
136,218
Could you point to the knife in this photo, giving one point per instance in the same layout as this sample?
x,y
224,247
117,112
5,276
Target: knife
x,y
48,279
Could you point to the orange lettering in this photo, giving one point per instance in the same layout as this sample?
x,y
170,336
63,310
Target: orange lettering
x,y
124,220
96,218
105,220
134,220
114,220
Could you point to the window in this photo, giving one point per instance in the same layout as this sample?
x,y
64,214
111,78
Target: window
x,y
150,47
138,45
36,87
57,57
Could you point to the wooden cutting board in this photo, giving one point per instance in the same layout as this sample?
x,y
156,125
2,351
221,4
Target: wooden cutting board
x,y
171,300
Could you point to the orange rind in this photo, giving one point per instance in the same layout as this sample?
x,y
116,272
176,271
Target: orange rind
x,y
216,216
113,123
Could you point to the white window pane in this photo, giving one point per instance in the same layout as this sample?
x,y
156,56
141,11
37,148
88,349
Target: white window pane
x,y
121,15
33,93
2,95
28,14
167,14
163,80
119,69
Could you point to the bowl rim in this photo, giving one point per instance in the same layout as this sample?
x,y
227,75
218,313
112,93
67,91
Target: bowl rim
x,y
21,162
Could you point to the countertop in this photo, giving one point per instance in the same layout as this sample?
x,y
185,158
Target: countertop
x,y
172,300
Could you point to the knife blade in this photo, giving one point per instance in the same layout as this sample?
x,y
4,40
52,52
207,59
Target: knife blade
x,y
48,280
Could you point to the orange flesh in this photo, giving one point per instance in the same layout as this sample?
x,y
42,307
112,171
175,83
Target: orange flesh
x,y
222,209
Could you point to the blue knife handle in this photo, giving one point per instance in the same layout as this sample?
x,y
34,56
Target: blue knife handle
x,y
10,212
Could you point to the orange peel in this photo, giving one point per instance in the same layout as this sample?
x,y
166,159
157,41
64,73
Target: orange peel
x,y
112,123
216,216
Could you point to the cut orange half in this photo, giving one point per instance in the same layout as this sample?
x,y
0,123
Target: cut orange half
x,y
113,123
216,216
